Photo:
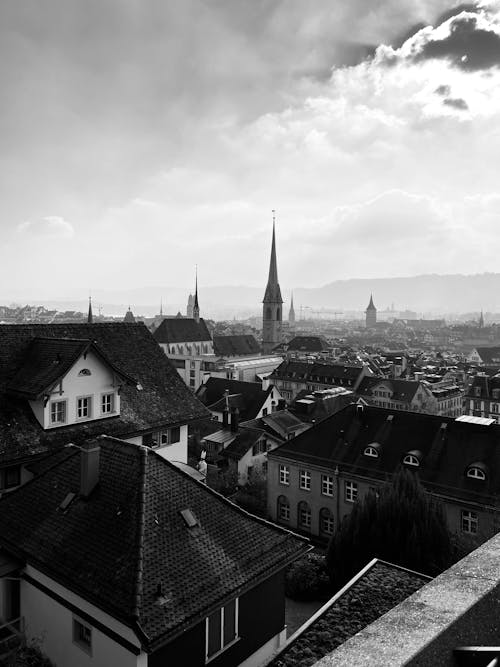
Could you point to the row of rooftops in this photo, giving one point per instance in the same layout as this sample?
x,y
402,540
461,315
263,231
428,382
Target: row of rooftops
x,y
445,449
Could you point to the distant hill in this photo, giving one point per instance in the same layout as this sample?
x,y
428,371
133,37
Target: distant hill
x,y
423,294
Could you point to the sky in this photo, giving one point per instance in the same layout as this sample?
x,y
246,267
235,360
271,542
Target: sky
x,y
139,139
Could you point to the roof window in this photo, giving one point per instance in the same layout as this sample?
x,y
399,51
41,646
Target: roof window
x,y
477,471
412,459
372,451
189,518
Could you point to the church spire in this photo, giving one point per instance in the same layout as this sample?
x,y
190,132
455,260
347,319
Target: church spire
x,y
90,318
291,314
196,307
273,292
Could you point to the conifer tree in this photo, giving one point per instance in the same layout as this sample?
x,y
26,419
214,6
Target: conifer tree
x,y
402,525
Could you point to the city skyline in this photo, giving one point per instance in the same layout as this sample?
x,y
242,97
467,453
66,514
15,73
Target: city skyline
x,y
140,142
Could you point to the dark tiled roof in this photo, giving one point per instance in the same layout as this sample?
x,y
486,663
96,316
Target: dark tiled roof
x,y
402,390
248,397
489,355
448,448
316,372
163,400
307,344
380,588
237,345
182,330
486,385
246,438
128,536
47,360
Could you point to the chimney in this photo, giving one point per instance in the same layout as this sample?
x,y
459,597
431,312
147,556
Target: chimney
x,y
225,411
235,417
89,467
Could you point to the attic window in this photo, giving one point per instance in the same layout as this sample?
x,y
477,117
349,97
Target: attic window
x,y
189,518
476,472
371,451
84,371
411,460
67,501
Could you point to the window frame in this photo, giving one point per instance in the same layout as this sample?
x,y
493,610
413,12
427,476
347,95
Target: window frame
x,y
283,502
223,647
471,520
88,398
284,474
303,506
475,472
76,637
411,460
325,514
304,480
328,482
371,452
60,401
112,396
350,491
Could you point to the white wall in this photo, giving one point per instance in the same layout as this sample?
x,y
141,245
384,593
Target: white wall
x,y
178,451
49,620
101,380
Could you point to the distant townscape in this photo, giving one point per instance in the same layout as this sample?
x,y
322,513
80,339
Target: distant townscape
x,y
178,490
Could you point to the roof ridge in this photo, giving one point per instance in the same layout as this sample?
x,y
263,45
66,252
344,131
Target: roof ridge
x,y
143,453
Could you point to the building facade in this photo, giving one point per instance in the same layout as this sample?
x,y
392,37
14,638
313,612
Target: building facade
x,y
371,314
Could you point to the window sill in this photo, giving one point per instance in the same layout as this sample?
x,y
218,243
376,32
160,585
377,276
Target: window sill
x,y
216,655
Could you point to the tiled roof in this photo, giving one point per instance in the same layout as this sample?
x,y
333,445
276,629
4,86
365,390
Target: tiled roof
x,y
448,448
307,344
237,345
486,385
326,373
182,330
248,397
379,587
489,355
402,390
245,439
115,547
46,361
164,398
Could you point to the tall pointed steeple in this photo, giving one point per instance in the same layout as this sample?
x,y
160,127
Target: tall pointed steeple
x,y
90,317
291,314
272,308
371,313
481,320
196,307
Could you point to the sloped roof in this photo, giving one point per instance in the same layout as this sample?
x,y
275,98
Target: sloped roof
x,y
402,390
163,400
236,345
182,330
244,440
114,547
371,593
307,344
448,448
486,384
489,355
47,361
248,397
327,373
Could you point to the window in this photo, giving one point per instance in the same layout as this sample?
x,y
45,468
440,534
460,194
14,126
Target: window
x,y
494,407
58,412
474,472
304,516
259,447
371,451
283,509
469,522
107,404
84,407
351,492
221,629
284,475
327,485
325,522
411,460
264,412
305,480
168,437
82,635
477,391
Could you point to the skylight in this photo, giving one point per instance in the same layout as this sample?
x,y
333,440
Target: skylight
x,y
189,518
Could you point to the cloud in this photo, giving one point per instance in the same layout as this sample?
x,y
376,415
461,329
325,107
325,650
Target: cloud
x,y
51,226
456,103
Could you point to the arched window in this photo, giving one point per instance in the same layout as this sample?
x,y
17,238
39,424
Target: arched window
x,y
278,314
269,314
371,451
283,509
85,371
412,459
325,522
304,516
477,471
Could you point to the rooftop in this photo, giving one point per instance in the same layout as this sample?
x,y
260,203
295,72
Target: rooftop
x,y
182,330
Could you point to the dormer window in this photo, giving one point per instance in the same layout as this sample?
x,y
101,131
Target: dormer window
x,y
84,371
476,471
411,459
371,451
58,412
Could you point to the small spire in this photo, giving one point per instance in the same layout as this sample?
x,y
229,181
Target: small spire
x,y
90,318
161,307
196,307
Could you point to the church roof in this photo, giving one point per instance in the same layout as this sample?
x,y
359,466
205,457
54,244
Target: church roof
x,y
371,305
129,316
182,330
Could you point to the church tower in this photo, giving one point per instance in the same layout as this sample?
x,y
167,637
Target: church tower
x,y
273,304
291,315
371,314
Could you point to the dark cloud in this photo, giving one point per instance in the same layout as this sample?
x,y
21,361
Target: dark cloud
x,y
456,103
443,90
455,11
467,46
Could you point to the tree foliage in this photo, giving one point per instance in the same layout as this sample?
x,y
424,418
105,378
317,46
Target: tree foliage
x,y
401,525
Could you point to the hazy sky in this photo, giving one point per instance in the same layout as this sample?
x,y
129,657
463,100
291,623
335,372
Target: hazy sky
x,y
139,138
